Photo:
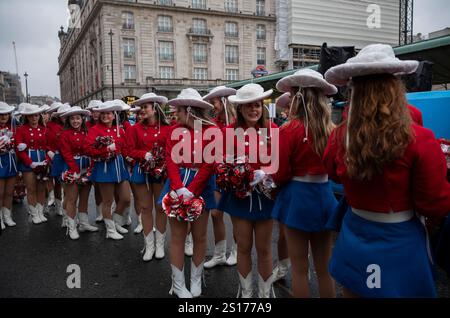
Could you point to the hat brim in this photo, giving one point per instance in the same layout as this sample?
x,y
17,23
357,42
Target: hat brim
x,y
52,109
36,112
234,100
225,92
81,112
114,108
7,110
341,74
159,99
283,101
186,102
135,109
302,80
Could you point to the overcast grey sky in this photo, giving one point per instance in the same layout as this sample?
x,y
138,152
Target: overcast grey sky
x,y
34,25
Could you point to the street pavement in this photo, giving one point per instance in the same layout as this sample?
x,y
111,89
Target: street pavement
x,y
34,261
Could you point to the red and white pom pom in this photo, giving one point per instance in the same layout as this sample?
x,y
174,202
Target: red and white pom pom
x,y
187,211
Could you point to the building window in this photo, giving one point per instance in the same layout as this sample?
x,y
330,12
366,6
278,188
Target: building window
x,y
200,54
261,56
127,20
231,6
231,29
199,4
129,48
231,54
260,32
231,74
166,72
165,51
165,23
260,7
200,73
129,72
199,26
165,2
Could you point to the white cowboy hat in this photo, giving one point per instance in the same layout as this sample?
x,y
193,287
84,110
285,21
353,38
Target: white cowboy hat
x,y
249,93
76,110
5,108
219,91
135,109
150,98
54,107
109,106
373,59
29,109
190,97
125,106
306,78
283,100
61,110
44,108
94,104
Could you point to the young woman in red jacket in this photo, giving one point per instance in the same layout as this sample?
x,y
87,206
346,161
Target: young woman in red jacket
x,y
8,164
393,171
305,200
145,136
76,163
31,144
189,178
106,145
224,116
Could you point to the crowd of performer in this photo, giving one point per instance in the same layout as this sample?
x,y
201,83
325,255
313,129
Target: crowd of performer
x,y
392,169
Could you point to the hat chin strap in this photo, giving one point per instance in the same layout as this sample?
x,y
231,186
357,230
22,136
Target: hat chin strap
x,y
188,109
224,102
117,123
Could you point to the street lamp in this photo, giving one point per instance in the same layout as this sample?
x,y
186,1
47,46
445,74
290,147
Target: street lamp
x,y
112,65
26,85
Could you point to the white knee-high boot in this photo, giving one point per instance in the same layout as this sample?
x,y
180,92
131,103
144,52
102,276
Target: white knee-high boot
x,y
178,283
245,289
160,240
149,248
219,257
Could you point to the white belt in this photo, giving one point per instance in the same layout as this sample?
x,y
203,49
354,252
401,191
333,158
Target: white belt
x,y
392,217
323,178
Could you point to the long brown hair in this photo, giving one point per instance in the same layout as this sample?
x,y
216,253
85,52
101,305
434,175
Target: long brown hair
x,y
160,116
318,115
379,125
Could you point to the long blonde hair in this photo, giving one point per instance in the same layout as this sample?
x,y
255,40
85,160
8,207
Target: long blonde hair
x,y
378,127
316,118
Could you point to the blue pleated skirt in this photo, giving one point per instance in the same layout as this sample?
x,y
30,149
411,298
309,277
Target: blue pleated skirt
x,y
139,177
304,206
113,171
83,162
36,156
374,259
57,167
207,194
256,207
8,165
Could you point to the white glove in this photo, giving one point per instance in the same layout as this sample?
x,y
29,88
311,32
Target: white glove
x,y
76,175
22,147
148,156
51,154
185,193
5,138
111,147
36,164
258,176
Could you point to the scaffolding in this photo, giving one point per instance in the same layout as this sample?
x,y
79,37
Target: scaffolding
x,y
406,22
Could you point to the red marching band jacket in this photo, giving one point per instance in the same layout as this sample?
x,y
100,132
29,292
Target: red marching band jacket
x,y
72,144
101,130
205,169
53,135
34,138
416,181
142,138
296,157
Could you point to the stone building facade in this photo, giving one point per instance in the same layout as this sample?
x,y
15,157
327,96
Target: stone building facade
x,y
162,46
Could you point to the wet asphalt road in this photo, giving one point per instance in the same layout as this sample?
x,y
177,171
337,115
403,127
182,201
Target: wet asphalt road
x,y
34,261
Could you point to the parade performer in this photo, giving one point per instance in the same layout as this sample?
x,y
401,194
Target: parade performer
x,y
251,213
190,177
105,144
147,146
76,171
224,115
8,164
31,146
392,171
305,200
